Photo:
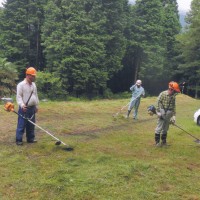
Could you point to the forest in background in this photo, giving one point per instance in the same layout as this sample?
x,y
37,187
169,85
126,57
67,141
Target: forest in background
x,y
98,47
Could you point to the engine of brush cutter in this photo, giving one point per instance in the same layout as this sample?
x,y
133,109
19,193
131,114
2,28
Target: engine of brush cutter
x,y
9,107
151,110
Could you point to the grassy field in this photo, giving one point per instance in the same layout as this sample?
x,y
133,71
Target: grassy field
x,y
106,158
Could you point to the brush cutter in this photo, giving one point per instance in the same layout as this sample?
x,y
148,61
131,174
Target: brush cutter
x,y
9,107
152,110
197,140
115,115
125,106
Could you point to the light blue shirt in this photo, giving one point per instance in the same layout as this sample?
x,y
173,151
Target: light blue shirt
x,y
137,92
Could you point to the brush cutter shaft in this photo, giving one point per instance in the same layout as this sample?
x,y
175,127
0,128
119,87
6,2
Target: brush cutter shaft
x,y
186,132
121,110
40,128
46,132
125,106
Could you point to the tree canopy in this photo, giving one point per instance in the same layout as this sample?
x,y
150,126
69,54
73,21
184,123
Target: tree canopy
x,y
189,47
92,46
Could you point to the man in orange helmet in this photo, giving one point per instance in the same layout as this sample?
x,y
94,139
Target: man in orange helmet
x,y
166,111
27,99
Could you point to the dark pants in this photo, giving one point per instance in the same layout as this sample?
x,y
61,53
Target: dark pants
x,y
24,124
163,126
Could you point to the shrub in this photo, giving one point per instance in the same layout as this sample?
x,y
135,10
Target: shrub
x,y
8,77
50,86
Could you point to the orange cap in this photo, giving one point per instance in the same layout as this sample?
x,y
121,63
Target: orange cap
x,y
31,71
174,86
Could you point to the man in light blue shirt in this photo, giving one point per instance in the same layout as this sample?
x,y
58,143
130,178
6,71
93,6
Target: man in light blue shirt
x,y
137,93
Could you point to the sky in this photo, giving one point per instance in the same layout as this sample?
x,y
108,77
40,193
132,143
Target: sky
x,y
184,5
1,1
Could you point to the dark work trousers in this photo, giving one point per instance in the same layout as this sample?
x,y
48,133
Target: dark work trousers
x,y
163,126
24,124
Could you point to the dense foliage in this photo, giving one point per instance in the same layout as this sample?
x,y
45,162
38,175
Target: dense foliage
x,y
20,33
93,46
8,77
51,84
151,33
84,43
189,47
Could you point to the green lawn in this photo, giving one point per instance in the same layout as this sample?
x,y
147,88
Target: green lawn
x,y
106,157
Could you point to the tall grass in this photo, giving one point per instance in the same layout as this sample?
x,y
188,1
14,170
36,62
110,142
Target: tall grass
x,y
106,158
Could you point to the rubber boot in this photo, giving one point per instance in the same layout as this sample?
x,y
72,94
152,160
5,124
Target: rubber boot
x,y
128,113
164,139
157,139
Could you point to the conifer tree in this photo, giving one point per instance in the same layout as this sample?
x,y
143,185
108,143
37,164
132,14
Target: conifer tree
x,y
20,32
151,31
146,49
84,42
189,69
172,28
8,78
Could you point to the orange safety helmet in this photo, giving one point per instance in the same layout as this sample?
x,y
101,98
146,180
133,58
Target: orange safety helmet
x,y
31,71
174,86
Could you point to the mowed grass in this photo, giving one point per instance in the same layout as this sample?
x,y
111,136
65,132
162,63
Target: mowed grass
x,y
106,157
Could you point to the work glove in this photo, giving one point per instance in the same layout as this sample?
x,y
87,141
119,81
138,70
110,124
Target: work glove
x,y
159,114
173,120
